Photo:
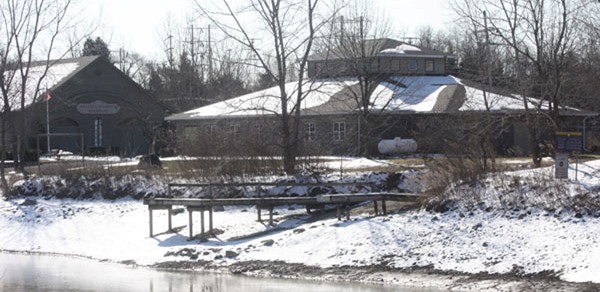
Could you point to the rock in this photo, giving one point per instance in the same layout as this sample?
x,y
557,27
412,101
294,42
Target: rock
x,y
299,230
231,254
477,226
218,257
268,242
485,244
29,202
150,160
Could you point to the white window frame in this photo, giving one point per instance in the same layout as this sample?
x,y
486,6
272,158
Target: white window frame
x,y
310,131
339,131
429,66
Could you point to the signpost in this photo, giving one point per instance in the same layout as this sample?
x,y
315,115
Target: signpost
x,y
566,142
561,165
569,141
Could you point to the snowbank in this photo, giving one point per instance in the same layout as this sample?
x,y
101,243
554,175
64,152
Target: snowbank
x,y
517,241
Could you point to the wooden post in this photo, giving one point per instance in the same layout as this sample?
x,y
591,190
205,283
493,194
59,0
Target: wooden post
x,y
271,215
258,213
337,210
383,207
347,212
210,218
170,213
150,212
190,222
202,221
375,207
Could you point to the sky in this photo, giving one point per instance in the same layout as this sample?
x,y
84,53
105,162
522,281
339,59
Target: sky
x,y
139,25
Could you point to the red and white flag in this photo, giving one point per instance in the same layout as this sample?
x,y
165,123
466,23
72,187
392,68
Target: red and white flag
x,y
48,96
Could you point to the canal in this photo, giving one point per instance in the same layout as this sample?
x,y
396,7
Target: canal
x,y
22,272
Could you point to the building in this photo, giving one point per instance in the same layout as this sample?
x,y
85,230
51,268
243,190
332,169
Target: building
x,y
89,100
410,94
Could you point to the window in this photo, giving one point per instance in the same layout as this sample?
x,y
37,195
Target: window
x,y
429,66
339,131
210,129
98,132
318,67
259,129
234,129
190,132
395,65
412,65
309,132
374,65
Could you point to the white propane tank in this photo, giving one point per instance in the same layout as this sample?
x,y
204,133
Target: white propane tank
x,y
397,146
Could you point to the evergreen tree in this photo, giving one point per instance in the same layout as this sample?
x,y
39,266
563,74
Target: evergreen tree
x,y
95,47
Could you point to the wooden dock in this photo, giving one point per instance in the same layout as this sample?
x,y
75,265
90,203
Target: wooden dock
x,y
202,205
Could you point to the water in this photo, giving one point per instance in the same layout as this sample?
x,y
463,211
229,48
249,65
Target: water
x,y
19,272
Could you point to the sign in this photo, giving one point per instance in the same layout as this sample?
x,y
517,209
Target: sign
x,y
561,165
569,141
98,107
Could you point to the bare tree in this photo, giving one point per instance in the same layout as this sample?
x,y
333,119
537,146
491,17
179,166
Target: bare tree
x,y
350,48
32,32
538,36
279,30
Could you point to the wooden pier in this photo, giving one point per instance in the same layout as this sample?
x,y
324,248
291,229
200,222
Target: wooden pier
x,y
202,205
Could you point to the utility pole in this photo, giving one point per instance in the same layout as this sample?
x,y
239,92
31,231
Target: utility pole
x,y
170,50
489,58
192,47
210,67
194,53
488,49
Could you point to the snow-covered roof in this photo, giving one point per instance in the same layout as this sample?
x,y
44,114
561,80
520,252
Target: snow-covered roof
x,y
400,50
379,47
408,94
266,102
56,72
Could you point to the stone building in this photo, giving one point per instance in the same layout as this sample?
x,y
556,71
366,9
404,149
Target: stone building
x,y
411,94
91,100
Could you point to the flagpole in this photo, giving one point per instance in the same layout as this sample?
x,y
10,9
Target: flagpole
x,y
47,122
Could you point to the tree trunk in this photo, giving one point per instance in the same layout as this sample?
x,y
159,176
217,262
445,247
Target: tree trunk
x,y
3,182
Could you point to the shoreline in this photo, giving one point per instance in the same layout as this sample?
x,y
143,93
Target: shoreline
x,y
476,248
419,277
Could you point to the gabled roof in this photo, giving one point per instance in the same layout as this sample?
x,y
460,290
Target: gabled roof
x,y
44,76
398,94
58,72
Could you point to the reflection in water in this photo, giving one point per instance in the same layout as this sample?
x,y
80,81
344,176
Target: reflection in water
x,y
54,273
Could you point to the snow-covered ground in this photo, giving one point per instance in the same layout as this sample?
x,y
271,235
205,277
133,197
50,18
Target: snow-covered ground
x,y
518,241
